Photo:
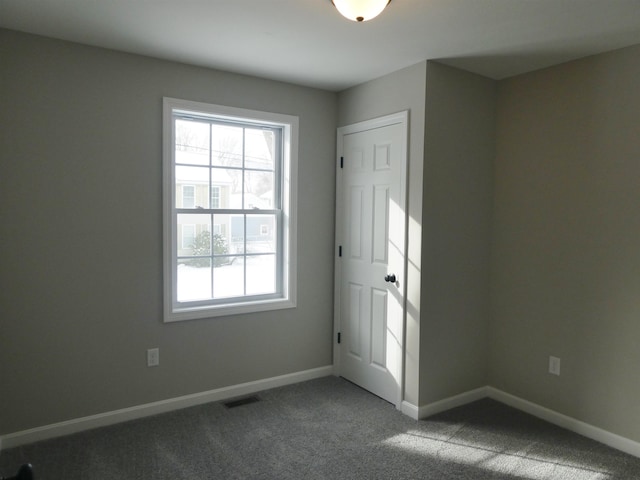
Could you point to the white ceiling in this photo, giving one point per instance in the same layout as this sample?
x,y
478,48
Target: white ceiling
x,y
307,42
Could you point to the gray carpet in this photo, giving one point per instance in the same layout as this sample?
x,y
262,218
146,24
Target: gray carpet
x,y
325,429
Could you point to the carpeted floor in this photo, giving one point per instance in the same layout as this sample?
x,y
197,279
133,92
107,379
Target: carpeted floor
x,y
325,429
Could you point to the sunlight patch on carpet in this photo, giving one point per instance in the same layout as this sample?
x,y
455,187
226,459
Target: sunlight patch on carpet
x,y
492,459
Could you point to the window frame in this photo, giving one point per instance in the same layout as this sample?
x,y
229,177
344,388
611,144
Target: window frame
x,y
286,297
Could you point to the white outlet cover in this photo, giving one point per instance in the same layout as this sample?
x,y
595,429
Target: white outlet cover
x,y
554,365
153,357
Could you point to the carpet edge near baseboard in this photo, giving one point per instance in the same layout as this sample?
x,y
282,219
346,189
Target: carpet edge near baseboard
x,y
598,434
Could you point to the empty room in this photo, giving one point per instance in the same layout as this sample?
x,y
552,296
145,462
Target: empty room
x,y
188,288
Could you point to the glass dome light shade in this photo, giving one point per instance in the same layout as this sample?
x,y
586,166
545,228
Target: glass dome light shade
x,y
360,10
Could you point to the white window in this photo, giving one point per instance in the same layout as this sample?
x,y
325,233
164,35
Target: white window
x,y
215,196
188,196
241,256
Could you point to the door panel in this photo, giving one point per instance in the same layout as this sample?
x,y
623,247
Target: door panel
x,y
356,214
380,237
354,319
378,327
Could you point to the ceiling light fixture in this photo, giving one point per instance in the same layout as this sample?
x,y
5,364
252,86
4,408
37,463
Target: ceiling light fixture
x,y
360,10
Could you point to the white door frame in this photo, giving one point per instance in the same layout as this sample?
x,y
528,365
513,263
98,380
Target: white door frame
x,y
387,120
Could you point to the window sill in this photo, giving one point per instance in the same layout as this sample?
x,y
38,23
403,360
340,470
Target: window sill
x,y
195,313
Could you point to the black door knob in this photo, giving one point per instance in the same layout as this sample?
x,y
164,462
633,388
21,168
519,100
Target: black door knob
x,y
390,278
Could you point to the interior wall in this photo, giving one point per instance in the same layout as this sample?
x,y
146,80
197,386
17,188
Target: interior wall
x,y
566,262
81,261
456,231
398,91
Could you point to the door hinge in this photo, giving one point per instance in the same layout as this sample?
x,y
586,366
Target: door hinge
x,y
340,251
339,337
341,162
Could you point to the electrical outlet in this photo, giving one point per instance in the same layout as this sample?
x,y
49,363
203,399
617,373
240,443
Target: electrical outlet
x,y
554,366
153,357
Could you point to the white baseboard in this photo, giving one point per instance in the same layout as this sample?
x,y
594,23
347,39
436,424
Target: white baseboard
x,y
595,433
418,413
410,410
140,411
452,402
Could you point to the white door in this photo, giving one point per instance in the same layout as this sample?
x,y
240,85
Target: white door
x,y
370,267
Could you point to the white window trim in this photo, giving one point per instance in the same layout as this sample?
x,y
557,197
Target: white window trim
x,y
173,313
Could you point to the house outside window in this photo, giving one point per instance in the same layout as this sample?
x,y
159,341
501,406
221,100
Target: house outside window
x,y
229,210
215,196
188,196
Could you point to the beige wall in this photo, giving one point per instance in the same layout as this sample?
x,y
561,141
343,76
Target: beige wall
x,y
457,203
81,256
398,91
566,240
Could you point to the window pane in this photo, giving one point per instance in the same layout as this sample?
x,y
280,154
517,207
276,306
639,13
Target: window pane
x,y
222,227
187,236
194,237
261,234
226,145
259,149
188,196
261,274
192,142
228,277
258,189
192,187
194,280
229,181
237,234
220,243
